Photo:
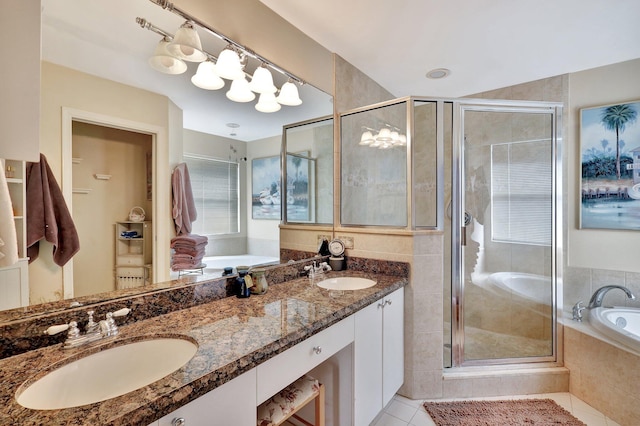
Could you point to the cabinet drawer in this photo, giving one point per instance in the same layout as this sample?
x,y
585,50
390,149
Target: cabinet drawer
x,y
136,260
283,369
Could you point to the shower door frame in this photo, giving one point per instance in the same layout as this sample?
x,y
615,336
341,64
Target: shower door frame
x,y
457,224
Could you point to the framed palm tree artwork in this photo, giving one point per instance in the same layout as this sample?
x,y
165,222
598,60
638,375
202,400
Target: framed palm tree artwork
x,y
610,158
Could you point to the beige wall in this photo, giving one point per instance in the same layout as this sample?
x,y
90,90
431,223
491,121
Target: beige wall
x,y
263,234
66,88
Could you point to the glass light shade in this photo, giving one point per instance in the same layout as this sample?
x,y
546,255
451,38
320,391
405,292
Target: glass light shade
x,y
289,95
262,81
164,62
403,139
384,135
395,138
186,44
206,77
228,65
366,138
267,103
240,92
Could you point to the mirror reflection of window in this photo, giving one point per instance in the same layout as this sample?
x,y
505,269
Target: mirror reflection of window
x,y
215,186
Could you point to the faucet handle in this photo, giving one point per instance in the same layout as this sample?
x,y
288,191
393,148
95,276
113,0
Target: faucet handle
x,y
121,312
577,311
55,329
92,326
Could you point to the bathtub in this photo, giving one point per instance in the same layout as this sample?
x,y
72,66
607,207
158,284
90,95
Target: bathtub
x,y
619,324
530,287
215,264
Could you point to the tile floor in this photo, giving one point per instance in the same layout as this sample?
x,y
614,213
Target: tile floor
x,y
408,412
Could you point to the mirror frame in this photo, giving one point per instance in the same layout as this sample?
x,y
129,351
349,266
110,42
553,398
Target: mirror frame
x,y
283,167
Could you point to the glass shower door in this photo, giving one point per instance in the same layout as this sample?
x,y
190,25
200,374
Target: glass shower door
x,y
504,200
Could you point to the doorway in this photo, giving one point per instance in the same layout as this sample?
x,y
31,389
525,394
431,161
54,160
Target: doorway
x,y
158,138
111,175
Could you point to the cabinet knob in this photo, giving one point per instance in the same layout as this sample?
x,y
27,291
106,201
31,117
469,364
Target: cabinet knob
x,y
317,350
380,305
387,302
178,421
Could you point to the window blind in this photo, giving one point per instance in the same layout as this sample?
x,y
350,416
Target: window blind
x,y
215,186
521,199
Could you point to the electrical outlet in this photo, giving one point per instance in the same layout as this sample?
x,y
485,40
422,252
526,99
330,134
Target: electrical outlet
x,y
348,242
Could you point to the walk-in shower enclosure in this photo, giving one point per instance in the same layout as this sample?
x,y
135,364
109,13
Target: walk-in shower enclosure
x,y
487,174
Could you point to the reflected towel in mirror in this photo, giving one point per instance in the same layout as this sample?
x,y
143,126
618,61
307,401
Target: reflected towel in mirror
x,y
184,207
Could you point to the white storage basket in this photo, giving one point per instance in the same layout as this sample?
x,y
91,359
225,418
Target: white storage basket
x,y
136,214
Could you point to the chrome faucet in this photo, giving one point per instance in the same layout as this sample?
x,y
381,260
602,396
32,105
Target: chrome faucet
x,y
93,331
577,311
598,295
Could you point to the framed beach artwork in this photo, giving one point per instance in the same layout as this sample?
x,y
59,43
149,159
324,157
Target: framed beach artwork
x,y
610,159
300,187
265,188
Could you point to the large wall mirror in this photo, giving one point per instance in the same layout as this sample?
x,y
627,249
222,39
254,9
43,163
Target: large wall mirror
x,y
391,157
95,64
308,171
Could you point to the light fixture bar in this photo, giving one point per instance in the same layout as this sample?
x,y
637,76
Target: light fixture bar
x,y
175,9
149,26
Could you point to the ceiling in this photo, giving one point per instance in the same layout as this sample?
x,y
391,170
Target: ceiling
x,y
102,38
487,44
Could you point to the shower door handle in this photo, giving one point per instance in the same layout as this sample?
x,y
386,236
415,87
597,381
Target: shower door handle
x,y
463,235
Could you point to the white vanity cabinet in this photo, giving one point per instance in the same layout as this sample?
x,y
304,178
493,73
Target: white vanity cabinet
x,y
283,369
376,333
233,403
378,355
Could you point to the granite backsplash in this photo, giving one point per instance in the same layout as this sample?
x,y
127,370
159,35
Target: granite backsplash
x,y
22,334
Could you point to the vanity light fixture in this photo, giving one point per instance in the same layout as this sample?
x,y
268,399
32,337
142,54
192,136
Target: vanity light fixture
x,y
164,62
366,138
186,45
206,77
228,65
267,103
239,91
262,80
289,94
387,137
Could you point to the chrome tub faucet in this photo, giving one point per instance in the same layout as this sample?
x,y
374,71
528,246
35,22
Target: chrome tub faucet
x,y
598,295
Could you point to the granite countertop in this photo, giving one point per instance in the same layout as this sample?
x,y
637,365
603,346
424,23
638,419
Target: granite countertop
x,y
233,336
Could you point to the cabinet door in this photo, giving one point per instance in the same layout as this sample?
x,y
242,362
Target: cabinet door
x,y
367,364
233,403
393,345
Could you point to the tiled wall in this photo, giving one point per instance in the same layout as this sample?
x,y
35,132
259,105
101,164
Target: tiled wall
x,y
603,375
581,283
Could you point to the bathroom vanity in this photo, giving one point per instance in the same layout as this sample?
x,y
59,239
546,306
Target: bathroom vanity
x,y
248,350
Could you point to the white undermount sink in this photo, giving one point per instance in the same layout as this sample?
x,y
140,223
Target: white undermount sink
x,y
107,374
346,283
